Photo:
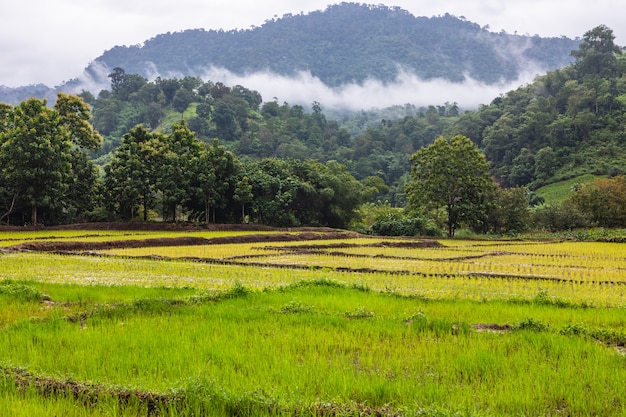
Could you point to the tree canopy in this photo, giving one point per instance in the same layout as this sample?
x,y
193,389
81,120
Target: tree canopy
x,y
451,174
358,42
42,150
566,123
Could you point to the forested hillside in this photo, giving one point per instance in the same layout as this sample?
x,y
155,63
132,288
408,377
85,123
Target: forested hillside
x,y
567,123
346,43
343,44
253,128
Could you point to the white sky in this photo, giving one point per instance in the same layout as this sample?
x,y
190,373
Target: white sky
x,y
52,41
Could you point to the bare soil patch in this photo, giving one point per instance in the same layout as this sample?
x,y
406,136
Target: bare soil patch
x,y
74,246
491,327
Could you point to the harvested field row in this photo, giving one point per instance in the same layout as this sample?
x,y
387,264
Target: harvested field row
x,y
55,246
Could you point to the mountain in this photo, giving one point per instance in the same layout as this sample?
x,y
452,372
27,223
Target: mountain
x,y
349,42
346,43
15,95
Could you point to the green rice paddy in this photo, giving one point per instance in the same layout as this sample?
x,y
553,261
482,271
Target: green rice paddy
x,y
325,327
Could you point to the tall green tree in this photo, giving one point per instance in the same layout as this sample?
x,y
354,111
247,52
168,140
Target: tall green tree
x,y
213,175
132,175
451,174
39,146
243,195
596,54
181,154
34,157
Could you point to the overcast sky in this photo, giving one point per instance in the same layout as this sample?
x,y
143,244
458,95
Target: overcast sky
x,y
45,41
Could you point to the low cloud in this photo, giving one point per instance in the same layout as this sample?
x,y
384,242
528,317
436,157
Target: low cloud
x,y
304,88
407,88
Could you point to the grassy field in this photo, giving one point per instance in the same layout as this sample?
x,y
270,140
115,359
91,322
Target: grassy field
x,y
310,324
560,191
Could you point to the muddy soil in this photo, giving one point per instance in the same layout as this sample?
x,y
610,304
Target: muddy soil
x,y
75,246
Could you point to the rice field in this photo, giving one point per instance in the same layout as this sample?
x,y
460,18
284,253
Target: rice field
x,y
310,325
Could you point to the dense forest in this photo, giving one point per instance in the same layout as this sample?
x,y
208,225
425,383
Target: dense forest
x,y
252,128
346,43
343,44
566,123
188,149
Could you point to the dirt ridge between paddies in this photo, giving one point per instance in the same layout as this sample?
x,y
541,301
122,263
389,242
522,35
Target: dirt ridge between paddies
x,y
156,403
74,246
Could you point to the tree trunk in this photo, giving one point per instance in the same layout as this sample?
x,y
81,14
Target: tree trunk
x,y
10,209
33,215
206,210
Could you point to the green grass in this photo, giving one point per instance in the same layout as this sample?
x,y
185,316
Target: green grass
x,y
118,336
337,346
560,191
175,117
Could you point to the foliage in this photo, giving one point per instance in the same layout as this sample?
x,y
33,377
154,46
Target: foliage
x,y
597,53
237,158
131,177
43,159
359,42
560,216
603,201
416,226
292,193
510,213
565,124
453,175
177,172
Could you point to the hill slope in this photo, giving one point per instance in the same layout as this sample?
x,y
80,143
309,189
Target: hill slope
x,y
568,122
349,42
343,44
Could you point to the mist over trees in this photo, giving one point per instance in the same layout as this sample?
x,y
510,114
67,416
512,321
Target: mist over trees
x,y
357,42
567,123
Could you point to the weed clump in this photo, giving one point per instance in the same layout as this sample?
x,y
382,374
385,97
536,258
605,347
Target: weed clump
x,y
530,324
295,307
22,292
359,313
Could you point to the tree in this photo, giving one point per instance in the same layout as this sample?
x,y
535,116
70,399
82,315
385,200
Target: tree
x,y
181,159
511,212
603,201
596,53
181,100
243,195
213,173
545,163
117,78
75,115
451,174
36,152
225,122
131,177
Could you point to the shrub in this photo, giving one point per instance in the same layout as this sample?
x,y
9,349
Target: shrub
x,y
404,227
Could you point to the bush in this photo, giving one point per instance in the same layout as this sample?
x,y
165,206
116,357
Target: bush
x,y
560,217
404,227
